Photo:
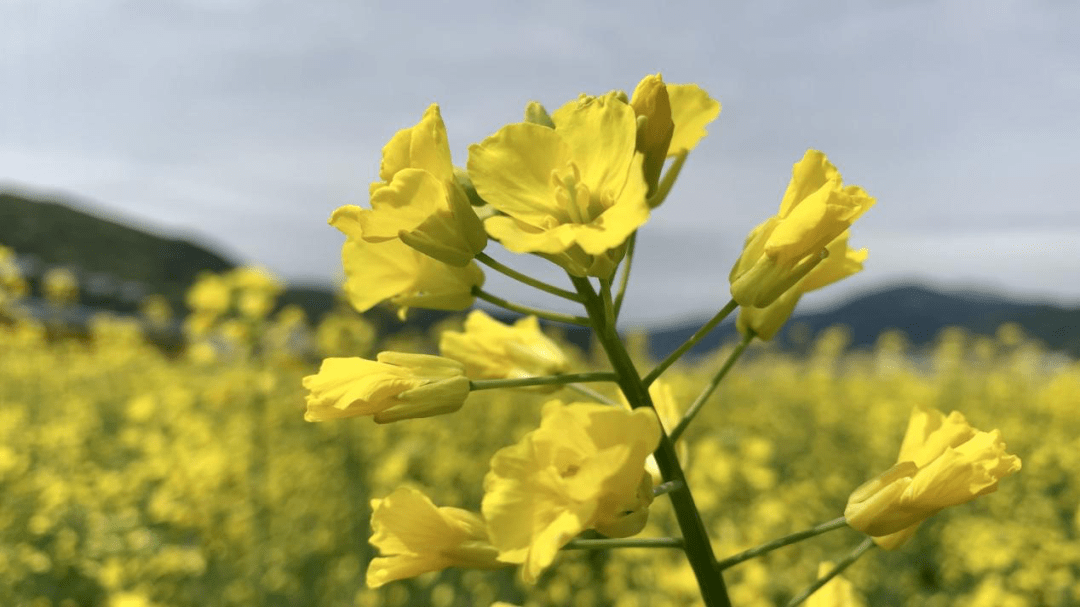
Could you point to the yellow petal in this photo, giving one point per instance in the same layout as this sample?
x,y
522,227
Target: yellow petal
x,y
423,146
601,133
691,110
512,171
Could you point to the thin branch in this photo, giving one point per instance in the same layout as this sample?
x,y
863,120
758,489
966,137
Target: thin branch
x,y
629,542
492,263
520,309
840,567
625,278
699,402
590,393
787,540
547,380
690,343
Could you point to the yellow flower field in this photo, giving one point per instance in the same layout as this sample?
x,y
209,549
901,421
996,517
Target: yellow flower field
x,y
132,478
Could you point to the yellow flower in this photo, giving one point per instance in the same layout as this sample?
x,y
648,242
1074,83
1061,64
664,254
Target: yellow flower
x,y
842,261
574,193
393,387
210,295
393,271
419,200
414,536
491,350
816,209
256,289
943,462
61,286
838,592
582,469
675,118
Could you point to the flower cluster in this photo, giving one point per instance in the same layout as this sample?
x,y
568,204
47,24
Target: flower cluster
x,y
574,186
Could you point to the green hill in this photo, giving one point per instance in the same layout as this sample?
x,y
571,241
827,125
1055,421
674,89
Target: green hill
x,y
119,261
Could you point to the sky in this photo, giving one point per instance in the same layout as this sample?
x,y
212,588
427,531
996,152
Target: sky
x,y
244,123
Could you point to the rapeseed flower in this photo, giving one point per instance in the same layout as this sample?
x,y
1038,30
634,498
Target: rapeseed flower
x,y
583,468
490,349
943,462
816,209
573,193
392,387
414,536
675,119
842,261
392,271
419,200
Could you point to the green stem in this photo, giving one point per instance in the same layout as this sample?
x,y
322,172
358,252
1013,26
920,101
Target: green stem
x,y
625,278
699,402
629,542
664,188
490,262
840,567
590,393
520,309
698,548
547,380
690,343
787,540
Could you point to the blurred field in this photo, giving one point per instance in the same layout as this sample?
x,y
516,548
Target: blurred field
x,y
130,478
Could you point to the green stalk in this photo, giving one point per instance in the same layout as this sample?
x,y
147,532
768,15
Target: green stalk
x,y
840,567
787,540
520,309
699,402
624,279
690,343
698,548
547,380
590,393
490,262
628,542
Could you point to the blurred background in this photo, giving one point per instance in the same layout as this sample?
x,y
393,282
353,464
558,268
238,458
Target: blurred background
x,y
239,125
152,444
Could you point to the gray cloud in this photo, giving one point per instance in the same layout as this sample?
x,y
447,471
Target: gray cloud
x,y
251,120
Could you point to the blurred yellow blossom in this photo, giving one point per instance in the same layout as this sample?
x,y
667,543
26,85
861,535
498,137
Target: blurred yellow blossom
x,y
414,536
943,462
583,468
490,349
838,592
842,261
61,286
256,290
816,209
393,387
419,199
572,194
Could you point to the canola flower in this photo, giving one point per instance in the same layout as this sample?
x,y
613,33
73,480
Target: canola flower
x,y
420,537
817,208
419,200
943,462
393,387
583,468
490,349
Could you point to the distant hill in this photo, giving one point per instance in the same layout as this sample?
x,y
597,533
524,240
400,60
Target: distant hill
x,y
119,264
921,313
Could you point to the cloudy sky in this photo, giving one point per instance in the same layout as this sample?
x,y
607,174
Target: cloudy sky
x,y
244,123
